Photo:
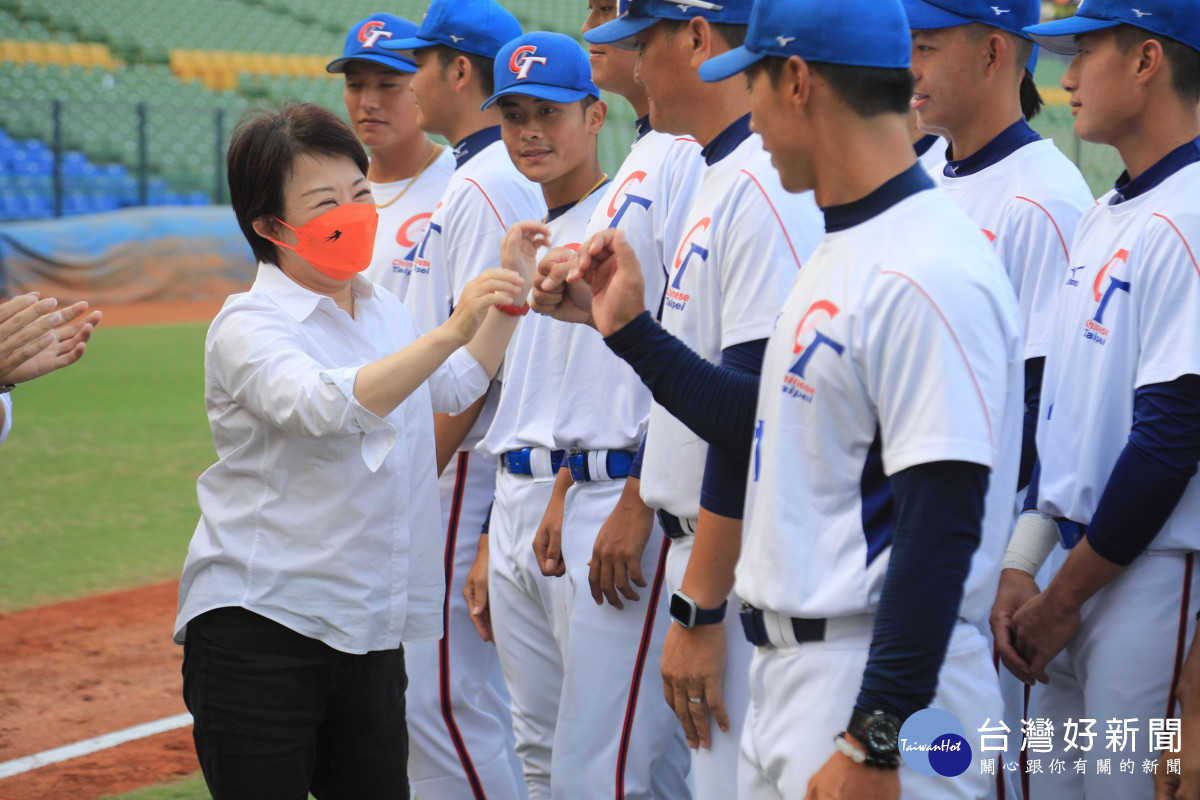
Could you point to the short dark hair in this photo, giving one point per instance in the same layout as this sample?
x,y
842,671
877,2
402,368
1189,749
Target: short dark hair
x,y
1031,98
1184,60
734,35
484,66
868,91
263,152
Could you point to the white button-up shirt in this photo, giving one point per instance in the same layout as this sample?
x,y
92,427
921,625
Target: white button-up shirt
x,y
319,514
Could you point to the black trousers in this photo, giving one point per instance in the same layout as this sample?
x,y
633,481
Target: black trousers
x,y
279,715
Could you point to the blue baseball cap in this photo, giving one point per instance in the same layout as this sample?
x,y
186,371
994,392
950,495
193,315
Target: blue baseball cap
x,y
364,40
548,66
1174,19
479,27
636,16
1008,15
856,33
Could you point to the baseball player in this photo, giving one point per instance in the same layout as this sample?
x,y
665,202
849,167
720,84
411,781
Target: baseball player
x,y
561,408
408,171
1119,442
891,386
457,697
974,85
725,282
929,147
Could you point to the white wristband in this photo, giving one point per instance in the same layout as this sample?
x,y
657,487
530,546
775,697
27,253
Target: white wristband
x,y
1033,537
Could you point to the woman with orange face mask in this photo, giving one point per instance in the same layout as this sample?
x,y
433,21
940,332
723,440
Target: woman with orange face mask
x,y
318,548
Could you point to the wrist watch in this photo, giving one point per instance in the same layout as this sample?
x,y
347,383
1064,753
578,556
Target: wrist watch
x,y
879,734
685,611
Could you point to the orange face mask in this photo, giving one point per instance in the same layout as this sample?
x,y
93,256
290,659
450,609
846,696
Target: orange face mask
x,y
338,243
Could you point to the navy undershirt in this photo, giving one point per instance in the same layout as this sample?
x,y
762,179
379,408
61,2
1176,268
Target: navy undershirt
x,y
472,145
936,526
921,146
1034,368
1162,169
642,126
727,141
1007,142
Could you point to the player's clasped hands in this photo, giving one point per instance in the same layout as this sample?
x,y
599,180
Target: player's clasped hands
x,y
604,279
36,337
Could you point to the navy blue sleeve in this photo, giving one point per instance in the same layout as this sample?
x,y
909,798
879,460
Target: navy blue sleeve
x,y
1035,480
724,489
936,529
1034,369
1152,472
635,469
717,403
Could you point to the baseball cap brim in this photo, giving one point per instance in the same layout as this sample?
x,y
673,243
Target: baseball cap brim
x,y
729,64
413,43
1059,36
392,62
924,16
555,94
620,31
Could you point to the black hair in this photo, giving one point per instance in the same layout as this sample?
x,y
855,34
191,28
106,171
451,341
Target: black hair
x,y
868,91
1184,60
483,66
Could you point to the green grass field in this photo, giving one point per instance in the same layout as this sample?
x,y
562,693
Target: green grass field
x,y
99,473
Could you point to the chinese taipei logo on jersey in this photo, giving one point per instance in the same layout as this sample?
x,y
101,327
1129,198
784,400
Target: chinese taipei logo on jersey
x,y
689,252
624,198
808,343
1105,289
409,236
420,259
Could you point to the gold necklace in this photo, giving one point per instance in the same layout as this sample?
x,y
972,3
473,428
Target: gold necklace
x,y
587,194
437,151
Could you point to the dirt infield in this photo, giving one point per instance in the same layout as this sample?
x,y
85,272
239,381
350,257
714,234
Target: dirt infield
x,y
76,670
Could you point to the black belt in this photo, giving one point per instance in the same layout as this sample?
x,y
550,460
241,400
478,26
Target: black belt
x,y
672,526
806,630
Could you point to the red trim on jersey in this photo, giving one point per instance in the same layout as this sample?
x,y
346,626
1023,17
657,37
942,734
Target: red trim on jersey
x,y
686,139
460,485
961,352
1024,759
639,666
1186,246
1000,789
1181,637
777,219
490,203
1057,230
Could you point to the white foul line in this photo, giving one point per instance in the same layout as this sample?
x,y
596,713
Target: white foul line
x,y
27,763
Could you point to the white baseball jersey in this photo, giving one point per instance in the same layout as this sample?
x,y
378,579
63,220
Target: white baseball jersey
x,y
485,196
534,382
402,224
743,244
605,404
1028,204
6,409
1128,316
899,345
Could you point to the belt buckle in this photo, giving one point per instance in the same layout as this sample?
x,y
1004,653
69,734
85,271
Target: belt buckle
x,y
1070,532
517,461
577,463
671,525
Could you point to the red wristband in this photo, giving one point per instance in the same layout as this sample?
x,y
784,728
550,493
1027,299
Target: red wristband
x,y
514,311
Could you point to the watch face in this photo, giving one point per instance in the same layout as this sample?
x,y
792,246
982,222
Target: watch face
x,y
882,736
682,611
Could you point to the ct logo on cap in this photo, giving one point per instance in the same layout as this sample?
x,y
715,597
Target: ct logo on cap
x,y
372,32
523,59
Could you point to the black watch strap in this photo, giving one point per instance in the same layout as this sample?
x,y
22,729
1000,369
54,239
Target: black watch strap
x,y
879,735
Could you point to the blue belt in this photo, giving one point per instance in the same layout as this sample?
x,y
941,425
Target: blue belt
x,y
517,461
673,526
1070,532
617,464
806,630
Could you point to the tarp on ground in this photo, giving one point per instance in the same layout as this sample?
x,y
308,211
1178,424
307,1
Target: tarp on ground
x,y
128,256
